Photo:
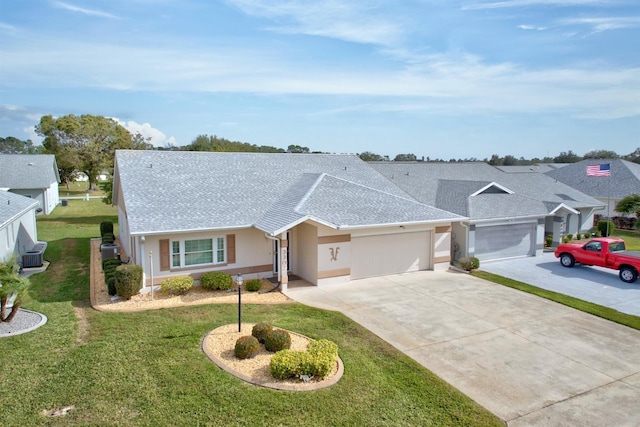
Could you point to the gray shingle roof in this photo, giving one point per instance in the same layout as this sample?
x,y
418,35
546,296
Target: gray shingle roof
x,y
174,191
14,205
27,171
624,180
449,186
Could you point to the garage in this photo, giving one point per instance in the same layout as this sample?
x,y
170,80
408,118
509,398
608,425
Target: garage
x,y
381,255
504,241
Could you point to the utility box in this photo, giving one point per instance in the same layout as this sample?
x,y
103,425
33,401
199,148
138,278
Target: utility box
x,y
110,251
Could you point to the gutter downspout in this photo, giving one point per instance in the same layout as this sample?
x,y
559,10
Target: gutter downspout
x,y
275,239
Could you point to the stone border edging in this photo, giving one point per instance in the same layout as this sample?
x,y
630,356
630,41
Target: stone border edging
x,y
269,384
31,327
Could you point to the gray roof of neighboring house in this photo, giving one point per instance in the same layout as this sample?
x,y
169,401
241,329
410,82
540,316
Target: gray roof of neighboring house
x,y
188,191
13,205
624,179
535,168
28,171
450,186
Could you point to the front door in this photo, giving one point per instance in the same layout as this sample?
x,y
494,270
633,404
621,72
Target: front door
x,y
276,255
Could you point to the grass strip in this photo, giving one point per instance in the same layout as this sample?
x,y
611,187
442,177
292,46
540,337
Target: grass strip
x,y
588,307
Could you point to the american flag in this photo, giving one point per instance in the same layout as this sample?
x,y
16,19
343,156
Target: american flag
x,y
599,170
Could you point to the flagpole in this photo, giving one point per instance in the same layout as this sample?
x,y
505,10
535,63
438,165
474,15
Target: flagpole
x,y
609,201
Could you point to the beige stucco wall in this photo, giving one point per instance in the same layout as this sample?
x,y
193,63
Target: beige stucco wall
x,y
253,250
306,252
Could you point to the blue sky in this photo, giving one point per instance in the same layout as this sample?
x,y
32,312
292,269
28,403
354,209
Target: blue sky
x,y
437,78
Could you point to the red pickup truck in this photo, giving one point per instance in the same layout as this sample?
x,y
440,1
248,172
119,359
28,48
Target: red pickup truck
x,y
608,252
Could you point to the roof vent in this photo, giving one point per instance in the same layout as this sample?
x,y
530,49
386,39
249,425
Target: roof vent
x,y
30,163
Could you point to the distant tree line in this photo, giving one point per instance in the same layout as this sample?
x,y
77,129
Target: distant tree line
x,y
87,144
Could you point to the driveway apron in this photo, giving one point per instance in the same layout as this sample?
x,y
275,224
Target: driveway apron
x,y
530,361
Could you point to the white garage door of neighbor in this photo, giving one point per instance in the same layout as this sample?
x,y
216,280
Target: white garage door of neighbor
x,y
504,241
381,255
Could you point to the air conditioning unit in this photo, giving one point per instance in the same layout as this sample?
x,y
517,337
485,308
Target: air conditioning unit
x,y
110,251
32,259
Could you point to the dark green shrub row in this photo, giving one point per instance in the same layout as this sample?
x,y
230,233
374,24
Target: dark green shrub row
x,y
318,361
253,285
216,281
246,346
128,280
109,268
469,263
261,330
277,340
178,285
106,227
108,238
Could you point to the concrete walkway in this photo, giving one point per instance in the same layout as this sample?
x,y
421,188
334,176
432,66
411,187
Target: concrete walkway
x,y
528,360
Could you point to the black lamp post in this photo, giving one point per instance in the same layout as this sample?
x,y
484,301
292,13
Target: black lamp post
x,y
239,282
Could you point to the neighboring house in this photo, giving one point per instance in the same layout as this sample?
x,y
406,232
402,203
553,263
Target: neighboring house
x,y
31,175
623,181
509,213
325,218
18,233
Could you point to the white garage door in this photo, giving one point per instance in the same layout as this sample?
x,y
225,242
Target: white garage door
x,y
504,241
373,256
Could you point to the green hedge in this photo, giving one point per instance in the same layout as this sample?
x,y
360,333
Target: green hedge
x,y
253,285
318,361
216,281
178,285
128,280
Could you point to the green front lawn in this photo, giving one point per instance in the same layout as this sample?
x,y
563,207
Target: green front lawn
x,y
148,369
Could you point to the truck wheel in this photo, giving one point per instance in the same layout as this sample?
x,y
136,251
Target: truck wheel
x,y
567,260
628,274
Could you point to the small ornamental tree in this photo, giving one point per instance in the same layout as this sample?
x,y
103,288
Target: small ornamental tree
x,y
11,285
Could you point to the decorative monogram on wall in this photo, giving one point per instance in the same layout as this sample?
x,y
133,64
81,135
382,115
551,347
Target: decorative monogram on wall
x,y
334,253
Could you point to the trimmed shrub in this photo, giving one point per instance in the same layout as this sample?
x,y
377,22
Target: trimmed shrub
x,y
216,281
587,235
548,241
277,340
110,261
108,238
579,236
570,237
246,346
318,361
106,227
178,285
286,363
109,268
261,330
602,227
253,285
323,347
469,263
128,279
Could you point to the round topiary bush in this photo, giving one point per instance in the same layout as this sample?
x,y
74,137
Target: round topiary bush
x,y
277,340
253,285
178,285
246,346
602,227
216,281
128,280
261,330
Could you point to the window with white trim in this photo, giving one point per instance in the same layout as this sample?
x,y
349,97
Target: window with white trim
x,y
190,252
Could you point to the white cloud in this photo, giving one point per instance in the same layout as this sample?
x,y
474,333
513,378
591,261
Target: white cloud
x,y
355,21
157,137
521,3
531,27
601,24
84,11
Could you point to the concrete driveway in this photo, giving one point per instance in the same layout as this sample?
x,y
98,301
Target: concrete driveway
x,y
595,284
530,361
